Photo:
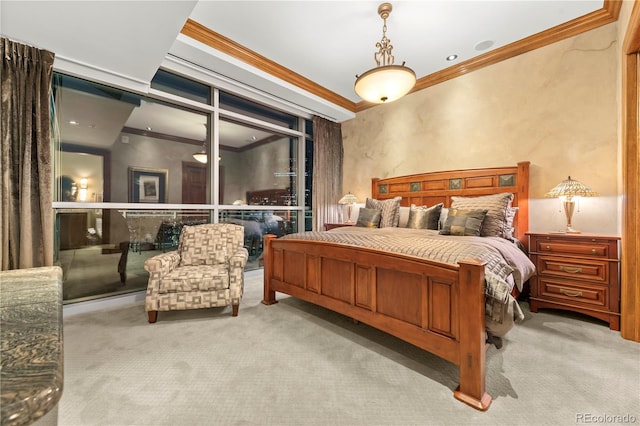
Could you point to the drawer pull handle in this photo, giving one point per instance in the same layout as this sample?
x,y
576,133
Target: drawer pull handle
x,y
571,293
570,269
593,251
548,248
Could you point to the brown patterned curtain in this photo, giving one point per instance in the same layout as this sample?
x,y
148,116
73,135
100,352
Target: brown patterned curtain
x,y
26,234
327,172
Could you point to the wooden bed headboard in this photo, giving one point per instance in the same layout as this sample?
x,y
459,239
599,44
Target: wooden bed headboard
x,y
438,187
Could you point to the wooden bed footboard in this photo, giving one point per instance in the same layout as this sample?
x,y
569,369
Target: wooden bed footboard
x,y
435,306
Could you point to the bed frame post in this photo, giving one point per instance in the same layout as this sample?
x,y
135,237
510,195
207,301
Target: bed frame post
x,y
269,297
471,390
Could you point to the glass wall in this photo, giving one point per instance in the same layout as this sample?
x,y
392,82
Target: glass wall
x,y
129,176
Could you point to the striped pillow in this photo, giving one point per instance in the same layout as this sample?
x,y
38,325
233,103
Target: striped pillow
x,y
390,210
497,205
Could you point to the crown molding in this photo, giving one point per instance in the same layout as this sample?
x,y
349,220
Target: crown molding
x,y
608,14
223,44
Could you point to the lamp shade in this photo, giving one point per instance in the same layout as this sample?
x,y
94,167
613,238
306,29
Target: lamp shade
x,y
201,155
570,188
348,199
385,83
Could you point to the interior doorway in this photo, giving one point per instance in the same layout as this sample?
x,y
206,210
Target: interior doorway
x,y
194,183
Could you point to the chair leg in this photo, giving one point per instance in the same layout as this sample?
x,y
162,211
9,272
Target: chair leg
x,y
153,316
235,310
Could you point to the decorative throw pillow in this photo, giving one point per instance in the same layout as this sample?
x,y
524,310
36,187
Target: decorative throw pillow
x,y
464,222
202,245
423,217
444,212
390,210
511,214
495,224
369,218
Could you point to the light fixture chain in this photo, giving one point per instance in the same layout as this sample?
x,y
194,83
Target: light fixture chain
x,y
384,56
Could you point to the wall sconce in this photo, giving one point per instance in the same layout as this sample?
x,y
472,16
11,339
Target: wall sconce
x,y
568,191
349,199
82,194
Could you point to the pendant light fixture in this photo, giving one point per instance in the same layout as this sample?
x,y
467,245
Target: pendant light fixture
x,y
201,155
386,82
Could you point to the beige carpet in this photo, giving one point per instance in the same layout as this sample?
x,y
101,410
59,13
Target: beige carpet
x,y
296,364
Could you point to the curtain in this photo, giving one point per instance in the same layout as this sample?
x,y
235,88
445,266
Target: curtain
x,y
327,172
26,234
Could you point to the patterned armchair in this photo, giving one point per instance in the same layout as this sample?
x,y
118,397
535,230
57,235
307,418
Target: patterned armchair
x,y
206,270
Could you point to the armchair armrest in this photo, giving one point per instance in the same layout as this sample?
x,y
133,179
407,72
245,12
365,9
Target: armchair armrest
x,y
162,264
237,263
158,266
239,258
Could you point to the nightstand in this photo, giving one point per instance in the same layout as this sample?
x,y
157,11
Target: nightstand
x,y
328,226
576,272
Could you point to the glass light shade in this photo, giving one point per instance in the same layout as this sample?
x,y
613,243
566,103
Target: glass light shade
x,y
570,188
348,199
385,83
201,156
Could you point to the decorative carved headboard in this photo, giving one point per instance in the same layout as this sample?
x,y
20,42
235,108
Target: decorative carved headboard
x,y
438,187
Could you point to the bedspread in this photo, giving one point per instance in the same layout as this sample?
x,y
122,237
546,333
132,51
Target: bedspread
x,y
506,264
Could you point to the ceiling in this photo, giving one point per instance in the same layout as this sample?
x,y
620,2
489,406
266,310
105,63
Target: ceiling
x,y
323,44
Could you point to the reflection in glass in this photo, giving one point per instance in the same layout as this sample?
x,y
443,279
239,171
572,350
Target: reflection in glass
x,y
102,251
249,108
117,147
120,131
258,223
262,171
177,85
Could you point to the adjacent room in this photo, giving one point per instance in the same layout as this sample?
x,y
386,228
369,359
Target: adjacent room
x,y
309,212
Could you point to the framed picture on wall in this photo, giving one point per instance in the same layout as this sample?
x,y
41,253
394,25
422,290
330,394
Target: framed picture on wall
x,y
148,185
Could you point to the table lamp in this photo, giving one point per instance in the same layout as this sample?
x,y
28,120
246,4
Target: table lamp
x,y
569,189
349,199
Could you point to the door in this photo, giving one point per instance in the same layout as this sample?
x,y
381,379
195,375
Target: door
x,y
194,183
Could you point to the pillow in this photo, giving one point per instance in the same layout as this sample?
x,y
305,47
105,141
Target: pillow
x,y
369,218
464,222
495,223
443,217
202,246
423,217
390,210
404,217
511,214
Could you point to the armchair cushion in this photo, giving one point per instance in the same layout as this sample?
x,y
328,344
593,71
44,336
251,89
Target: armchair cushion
x,y
196,278
202,246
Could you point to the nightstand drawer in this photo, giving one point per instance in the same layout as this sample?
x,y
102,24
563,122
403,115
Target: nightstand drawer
x,y
592,270
591,249
573,292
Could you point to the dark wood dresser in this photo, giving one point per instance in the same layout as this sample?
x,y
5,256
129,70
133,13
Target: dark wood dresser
x,y
576,272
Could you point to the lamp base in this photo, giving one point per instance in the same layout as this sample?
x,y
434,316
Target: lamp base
x,y
570,231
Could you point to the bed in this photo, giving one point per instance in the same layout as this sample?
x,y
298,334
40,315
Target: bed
x,y
437,306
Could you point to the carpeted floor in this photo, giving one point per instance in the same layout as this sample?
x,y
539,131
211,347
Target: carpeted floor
x,y
296,364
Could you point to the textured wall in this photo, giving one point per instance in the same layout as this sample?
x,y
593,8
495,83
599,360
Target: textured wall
x,y
555,107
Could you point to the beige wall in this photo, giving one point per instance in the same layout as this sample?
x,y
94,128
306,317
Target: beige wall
x,y
555,107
